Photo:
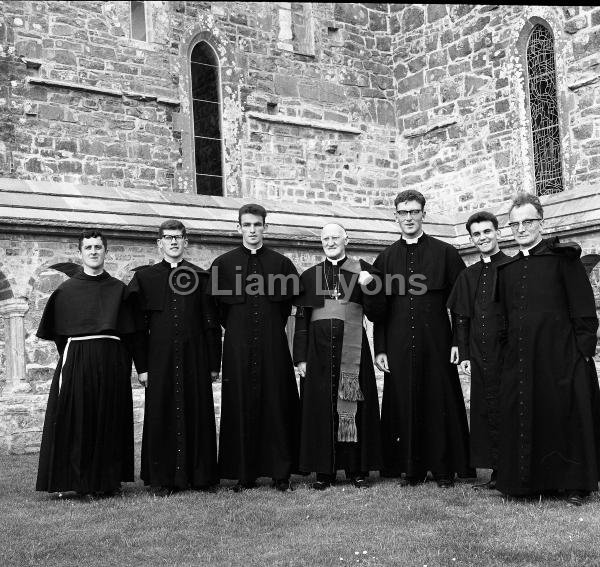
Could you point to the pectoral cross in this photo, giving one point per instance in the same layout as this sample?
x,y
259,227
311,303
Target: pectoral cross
x,y
335,294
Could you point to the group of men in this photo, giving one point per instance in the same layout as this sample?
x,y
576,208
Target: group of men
x,y
524,328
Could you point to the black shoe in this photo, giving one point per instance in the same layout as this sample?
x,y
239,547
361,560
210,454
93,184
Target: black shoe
x,y
576,497
409,481
282,484
320,485
444,481
163,491
360,482
109,493
241,486
489,485
210,488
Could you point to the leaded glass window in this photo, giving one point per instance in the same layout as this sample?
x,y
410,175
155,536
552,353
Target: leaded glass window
x,y
206,113
543,108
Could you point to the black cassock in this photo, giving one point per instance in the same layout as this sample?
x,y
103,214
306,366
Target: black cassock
x,y
476,316
260,406
87,441
180,345
319,344
549,396
423,418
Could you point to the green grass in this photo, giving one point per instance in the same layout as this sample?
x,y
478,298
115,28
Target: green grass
x,y
417,526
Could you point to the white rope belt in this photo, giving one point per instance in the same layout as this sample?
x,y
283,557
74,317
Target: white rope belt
x,y
66,351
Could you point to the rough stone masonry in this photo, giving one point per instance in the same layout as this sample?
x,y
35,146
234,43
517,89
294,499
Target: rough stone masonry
x,y
326,111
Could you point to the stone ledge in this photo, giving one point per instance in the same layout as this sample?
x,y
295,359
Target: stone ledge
x,y
103,90
430,127
42,207
304,122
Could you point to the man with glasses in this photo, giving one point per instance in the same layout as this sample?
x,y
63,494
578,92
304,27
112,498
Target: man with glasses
x,y
423,417
476,315
179,350
549,395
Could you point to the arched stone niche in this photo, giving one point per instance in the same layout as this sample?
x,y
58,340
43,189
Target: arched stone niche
x,y
12,311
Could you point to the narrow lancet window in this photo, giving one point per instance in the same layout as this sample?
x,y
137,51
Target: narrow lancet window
x,y
206,114
543,108
138,21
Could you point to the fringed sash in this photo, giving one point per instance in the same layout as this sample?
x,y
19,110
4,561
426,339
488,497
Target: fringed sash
x,y
349,388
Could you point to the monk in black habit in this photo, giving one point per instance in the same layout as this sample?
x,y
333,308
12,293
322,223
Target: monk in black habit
x,y
254,287
340,405
179,352
87,441
476,315
549,395
423,418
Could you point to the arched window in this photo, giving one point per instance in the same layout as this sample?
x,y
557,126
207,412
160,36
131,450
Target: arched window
x,y
206,115
543,108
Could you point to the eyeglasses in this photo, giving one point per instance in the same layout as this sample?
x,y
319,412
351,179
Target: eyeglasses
x,y
526,224
173,237
412,213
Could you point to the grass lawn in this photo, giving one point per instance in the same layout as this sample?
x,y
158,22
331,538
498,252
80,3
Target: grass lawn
x,y
385,525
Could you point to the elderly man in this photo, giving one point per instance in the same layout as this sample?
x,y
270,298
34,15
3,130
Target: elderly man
x,y
476,315
549,396
423,417
340,406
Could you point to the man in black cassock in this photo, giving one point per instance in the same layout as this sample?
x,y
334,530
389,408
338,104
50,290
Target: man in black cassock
x,y
549,395
476,316
87,441
340,405
254,288
423,418
178,352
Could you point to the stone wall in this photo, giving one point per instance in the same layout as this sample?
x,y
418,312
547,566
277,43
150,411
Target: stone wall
x,y
462,118
25,262
95,106
320,103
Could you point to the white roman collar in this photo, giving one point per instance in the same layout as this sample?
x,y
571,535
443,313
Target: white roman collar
x,y
525,251
336,262
486,259
412,240
253,250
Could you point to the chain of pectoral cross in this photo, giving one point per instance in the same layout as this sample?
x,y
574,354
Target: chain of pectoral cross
x,y
335,290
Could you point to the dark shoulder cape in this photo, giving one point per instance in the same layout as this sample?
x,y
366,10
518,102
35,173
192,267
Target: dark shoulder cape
x,y
568,261
85,305
464,292
312,279
438,261
229,272
150,283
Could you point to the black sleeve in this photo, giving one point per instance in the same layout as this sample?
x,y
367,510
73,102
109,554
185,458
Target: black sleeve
x,y
582,306
373,295
137,342
460,328
61,343
212,331
585,334
300,348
